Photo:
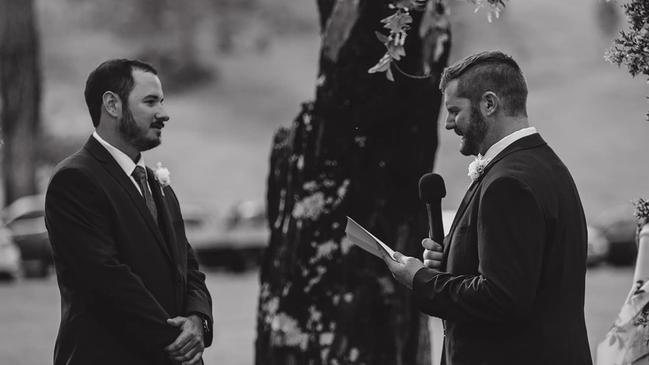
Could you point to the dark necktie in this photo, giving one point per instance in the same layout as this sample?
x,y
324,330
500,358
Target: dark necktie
x,y
140,176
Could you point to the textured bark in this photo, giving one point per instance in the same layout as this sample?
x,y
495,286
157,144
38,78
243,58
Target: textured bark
x,y
20,90
358,150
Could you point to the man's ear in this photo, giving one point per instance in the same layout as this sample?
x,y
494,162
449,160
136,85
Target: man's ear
x,y
489,103
112,104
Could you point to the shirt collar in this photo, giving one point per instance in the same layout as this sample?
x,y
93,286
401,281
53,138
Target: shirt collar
x,y
499,146
120,157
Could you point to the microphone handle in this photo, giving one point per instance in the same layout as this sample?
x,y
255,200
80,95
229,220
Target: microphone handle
x,y
435,224
430,221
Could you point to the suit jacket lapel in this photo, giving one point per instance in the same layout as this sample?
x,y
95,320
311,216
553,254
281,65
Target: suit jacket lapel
x,y
99,152
531,141
468,196
166,226
164,215
465,202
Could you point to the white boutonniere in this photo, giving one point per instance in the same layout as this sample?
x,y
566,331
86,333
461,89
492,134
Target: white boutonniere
x,y
476,168
162,174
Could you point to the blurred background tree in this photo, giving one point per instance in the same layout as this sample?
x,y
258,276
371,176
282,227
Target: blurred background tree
x,y
169,34
187,41
182,37
358,150
20,95
607,16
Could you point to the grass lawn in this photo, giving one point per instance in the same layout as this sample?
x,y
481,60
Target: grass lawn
x,y
30,313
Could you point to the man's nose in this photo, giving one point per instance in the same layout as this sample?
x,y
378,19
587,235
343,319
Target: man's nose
x,y
162,116
450,123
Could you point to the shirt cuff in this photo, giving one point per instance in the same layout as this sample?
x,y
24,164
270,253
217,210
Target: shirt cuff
x,y
419,282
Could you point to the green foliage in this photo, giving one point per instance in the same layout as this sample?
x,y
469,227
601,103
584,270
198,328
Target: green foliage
x,y
399,23
410,4
641,211
631,49
492,7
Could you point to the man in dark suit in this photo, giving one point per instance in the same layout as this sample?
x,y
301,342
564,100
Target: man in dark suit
x,y
131,289
509,282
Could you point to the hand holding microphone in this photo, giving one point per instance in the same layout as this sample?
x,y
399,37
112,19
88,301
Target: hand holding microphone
x,y
404,268
431,192
433,253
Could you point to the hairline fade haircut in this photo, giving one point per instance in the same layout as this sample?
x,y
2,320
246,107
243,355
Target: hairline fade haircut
x,y
489,71
114,75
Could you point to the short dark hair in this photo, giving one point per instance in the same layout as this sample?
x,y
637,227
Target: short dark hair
x,y
489,71
113,75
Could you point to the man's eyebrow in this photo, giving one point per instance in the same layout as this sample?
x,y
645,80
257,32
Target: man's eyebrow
x,y
153,96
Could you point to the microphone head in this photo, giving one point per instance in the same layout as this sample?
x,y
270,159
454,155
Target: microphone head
x,y
431,188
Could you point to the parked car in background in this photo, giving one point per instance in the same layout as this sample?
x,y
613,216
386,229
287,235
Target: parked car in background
x,y
9,256
619,227
25,219
235,242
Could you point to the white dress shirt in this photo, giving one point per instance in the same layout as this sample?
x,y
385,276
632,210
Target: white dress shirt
x,y
123,160
477,166
499,146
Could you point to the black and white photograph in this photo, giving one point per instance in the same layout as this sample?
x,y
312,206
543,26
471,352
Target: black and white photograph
x,y
324,182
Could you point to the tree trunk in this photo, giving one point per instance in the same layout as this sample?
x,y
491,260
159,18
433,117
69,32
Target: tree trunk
x,y
20,91
358,150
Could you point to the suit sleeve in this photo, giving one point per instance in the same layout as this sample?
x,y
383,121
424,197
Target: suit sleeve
x,y
198,300
511,239
80,233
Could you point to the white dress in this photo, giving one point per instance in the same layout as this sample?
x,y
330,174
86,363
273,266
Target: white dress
x,y
627,342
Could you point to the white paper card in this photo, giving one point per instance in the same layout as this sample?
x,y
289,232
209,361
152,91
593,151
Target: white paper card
x,y
365,240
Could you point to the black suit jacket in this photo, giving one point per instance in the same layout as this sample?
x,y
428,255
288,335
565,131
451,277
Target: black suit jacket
x,y
512,286
121,276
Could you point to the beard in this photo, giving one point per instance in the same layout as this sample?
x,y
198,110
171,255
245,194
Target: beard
x,y
134,134
475,133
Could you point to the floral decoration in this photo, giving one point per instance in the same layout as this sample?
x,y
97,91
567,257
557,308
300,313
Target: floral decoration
x,y
162,174
641,211
631,48
399,23
477,167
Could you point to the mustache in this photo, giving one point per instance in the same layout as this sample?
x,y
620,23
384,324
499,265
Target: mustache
x,y
159,122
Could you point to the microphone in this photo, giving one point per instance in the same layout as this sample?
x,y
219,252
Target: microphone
x,y
431,192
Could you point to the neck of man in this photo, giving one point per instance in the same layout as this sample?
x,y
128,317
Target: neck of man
x,y
501,128
114,137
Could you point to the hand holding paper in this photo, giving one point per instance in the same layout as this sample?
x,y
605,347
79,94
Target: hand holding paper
x,y
403,267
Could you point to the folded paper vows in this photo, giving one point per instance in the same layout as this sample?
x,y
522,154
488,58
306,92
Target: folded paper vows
x,y
365,240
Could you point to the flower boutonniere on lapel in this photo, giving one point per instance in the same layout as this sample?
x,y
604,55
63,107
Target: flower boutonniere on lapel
x,y
476,168
163,175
